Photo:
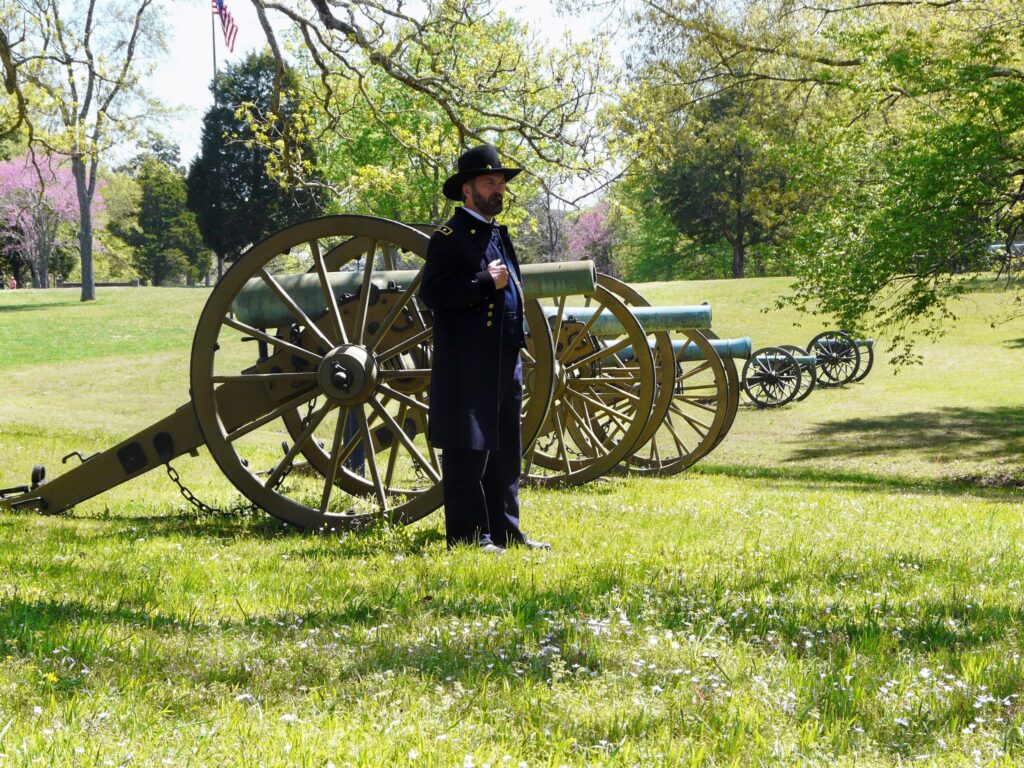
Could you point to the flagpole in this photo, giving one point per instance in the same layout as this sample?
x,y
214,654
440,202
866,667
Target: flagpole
x,y
213,47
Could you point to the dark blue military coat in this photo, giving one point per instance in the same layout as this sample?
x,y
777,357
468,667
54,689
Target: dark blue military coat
x,y
468,318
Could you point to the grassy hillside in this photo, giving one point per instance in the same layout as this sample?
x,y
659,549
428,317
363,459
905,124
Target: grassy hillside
x,y
838,583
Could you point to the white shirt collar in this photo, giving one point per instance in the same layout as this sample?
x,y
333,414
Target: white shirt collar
x,y
473,213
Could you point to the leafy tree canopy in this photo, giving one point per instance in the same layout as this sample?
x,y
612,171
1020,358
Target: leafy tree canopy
x,y
908,138
399,95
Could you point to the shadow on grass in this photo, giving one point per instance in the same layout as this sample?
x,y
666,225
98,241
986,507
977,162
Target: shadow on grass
x,y
815,479
258,525
40,306
940,435
515,637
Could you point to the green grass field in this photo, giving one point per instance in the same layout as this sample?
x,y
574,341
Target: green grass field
x,y
840,582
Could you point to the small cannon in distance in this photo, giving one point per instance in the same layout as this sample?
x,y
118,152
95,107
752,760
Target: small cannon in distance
x,y
842,359
775,376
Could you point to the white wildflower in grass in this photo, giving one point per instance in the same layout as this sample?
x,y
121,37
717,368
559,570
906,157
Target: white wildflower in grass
x,y
468,762
413,754
37,710
288,717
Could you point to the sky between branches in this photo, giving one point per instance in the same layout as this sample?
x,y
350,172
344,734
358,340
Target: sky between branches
x,y
183,79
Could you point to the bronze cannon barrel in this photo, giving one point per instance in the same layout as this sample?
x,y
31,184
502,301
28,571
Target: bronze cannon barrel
x,y
258,305
686,351
734,349
831,344
803,360
652,319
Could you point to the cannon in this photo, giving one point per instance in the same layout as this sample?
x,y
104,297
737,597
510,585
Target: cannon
x,y
772,376
695,387
842,358
311,360
694,400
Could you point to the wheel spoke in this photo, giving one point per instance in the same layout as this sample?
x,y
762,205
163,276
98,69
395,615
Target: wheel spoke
x,y
601,406
331,300
364,293
404,398
556,332
560,435
417,338
696,424
294,308
696,403
694,371
273,340
585,427
406,441
680,445
336,458
300,441
389,473
288,405
600,354
403,373
371,459
583,331
393,313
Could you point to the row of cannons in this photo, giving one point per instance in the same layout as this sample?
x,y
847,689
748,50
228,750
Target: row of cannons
x,y
775,376
310,370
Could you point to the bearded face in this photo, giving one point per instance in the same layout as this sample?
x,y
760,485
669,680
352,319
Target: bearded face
x,y
486,194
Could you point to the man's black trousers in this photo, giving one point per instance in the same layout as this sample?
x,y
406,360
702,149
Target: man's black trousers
x,y
481,488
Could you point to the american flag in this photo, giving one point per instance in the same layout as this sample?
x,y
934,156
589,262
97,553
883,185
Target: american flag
x,y
227,23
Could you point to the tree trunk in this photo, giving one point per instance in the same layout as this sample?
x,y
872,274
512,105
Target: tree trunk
x,y
78,169
739,257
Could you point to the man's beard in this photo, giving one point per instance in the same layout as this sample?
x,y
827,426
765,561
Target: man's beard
x,y
488,206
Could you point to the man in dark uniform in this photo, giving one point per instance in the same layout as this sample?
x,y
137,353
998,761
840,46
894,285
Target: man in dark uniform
x,y
471,283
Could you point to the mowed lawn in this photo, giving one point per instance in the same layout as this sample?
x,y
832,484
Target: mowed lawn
x,y
840,582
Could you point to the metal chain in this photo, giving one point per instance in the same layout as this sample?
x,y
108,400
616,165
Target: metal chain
x,y
242,508
239,510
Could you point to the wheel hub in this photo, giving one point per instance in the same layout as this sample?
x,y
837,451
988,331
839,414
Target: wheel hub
x,y
348,374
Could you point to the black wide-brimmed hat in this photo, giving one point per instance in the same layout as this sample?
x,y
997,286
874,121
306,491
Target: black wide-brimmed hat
x,y
472,163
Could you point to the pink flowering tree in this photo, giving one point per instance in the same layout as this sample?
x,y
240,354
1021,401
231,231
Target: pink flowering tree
x,y
38,210
590,236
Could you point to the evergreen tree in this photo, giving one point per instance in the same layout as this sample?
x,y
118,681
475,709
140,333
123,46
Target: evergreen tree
x,y
164,235
235,200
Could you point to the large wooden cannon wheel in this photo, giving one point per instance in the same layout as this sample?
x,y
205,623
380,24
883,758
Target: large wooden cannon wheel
x,y
339,381
601,404
694,405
